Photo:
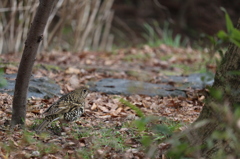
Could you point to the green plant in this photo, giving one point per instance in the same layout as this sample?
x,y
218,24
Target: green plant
x,y
138,56
232,34
48,67
100,139
111,138
132,106
154,130
149,129
27,138
85,153
3,81
224,142
222,37
47,148
155,36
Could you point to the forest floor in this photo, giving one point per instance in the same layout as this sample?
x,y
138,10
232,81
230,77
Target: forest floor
x,y
110,128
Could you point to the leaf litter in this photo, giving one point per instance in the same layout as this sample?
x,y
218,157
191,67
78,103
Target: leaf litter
x,y
106,129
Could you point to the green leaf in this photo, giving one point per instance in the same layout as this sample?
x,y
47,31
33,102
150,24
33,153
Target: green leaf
x,y
3,81
142,122
228,21
236,34
137,110
237,112
235,42
221,53
146,141
163,129
140,125
212,40
217,94
222,35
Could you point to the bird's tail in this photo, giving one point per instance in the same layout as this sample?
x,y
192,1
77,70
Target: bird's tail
x,y
40,127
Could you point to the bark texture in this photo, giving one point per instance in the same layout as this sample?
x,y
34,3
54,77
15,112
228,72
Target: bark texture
x,y
35,35
229,84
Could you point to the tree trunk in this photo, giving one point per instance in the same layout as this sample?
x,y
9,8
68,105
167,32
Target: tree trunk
x,y
229,84
29,54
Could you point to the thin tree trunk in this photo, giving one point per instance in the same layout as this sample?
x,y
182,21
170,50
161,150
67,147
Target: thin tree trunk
x,y
35,35
212,112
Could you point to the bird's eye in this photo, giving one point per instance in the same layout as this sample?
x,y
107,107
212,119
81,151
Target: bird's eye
x,y
84,91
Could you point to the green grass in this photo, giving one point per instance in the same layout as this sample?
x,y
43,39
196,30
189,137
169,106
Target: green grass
x,y
189,69
109,137
3,81
138,56
132,106
154,39
48,67
101,138
166,57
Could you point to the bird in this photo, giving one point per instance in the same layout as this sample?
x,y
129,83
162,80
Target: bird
x,y
67,108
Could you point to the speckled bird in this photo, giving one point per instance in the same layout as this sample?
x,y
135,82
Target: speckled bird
x,y
69,108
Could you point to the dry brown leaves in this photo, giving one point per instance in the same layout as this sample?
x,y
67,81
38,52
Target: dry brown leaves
x,y
102,111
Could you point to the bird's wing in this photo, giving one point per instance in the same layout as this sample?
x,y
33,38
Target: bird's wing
x,y
55,105
49,108
58,108
64,104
